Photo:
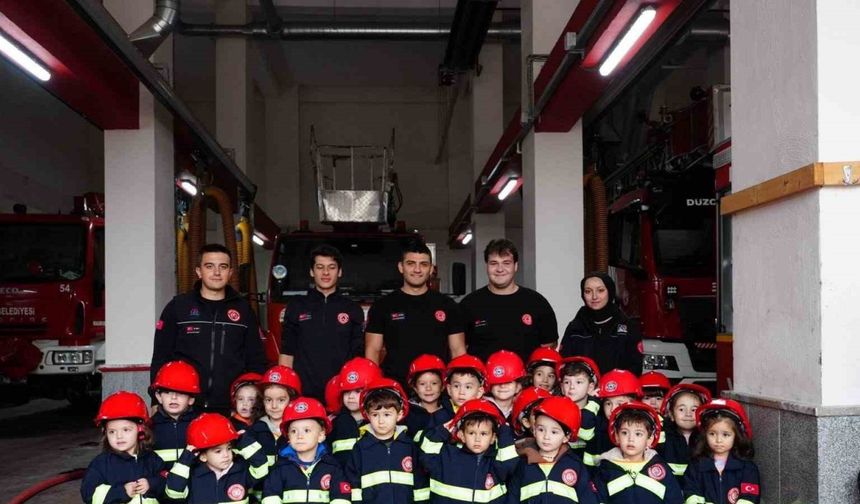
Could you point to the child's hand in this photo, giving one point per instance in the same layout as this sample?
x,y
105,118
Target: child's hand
x,y
130,488
141,486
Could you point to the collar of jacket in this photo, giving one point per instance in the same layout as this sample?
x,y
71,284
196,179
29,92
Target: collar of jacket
x,y
529,449
290,454
160,417
615,454
316,295
229,292
707,463
399,435
126,456
203,470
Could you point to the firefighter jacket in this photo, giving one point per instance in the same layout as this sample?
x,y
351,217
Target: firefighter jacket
x,y
292,481
416,420
442,415
613,345
386,472
169,434
104,480
653,483
587,431
458,475
738,484
220,338
565,480
198,484
240,423
321,333
600,443
344,434
676,450
270,444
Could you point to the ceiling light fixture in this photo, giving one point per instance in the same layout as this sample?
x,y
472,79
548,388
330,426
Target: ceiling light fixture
x,y
23,60
508,189
621,49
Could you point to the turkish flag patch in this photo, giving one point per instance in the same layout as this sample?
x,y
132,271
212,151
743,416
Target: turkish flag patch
x,y
345,488
749,488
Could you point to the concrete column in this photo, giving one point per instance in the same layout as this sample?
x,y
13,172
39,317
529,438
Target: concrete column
x,y
233,83
794,284
139,230
553,251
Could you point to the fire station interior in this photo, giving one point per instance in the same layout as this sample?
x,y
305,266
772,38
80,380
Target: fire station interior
x,y
594,134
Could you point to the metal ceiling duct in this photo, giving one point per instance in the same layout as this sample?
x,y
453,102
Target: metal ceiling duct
x,y
472,20
154,30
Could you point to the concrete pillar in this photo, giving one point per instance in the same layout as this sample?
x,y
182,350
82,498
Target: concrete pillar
x,y
794,282
552,180
233,83
139,229
487,106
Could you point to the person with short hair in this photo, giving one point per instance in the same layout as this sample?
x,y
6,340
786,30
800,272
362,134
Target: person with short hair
x,y
176,386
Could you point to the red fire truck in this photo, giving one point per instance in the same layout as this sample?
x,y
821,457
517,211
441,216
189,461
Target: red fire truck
x,y
52,302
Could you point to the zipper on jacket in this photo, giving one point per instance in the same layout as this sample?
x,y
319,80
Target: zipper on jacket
x,y
475,478
212,353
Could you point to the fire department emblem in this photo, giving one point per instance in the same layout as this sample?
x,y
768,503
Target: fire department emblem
x,y
498,371
345,488
275,377
236,492
440,315
569,477
733,495
352,377
657,472
406,464
159,325
343,317
301,407
233,315
611,386
527,319
325,481
489,482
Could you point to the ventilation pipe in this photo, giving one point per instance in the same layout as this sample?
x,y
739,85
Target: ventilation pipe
x,y
152,33
596,225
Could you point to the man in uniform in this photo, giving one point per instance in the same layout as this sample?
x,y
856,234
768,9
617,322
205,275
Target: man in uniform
x,y
413,320
323,329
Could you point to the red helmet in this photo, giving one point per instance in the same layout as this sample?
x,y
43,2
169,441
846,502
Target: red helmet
x,y
504,366
357,373
477,407
122,405
543,356
384,384
425,363
563,411
636,406
587,363
304,408
467,362
178,376
283,376
619,382
527,398
701,392
333,395
727,407
244,379
210,430
655,379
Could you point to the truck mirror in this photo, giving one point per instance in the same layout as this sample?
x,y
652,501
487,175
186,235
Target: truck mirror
x,y
458,278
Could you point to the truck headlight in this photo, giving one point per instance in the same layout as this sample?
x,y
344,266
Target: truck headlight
x,y
72,357
658,361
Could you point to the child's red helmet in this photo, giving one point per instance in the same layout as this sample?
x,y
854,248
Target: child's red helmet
x,y
304,408
477,407
543,356
283,376
384,384
467,362
726,407
425,363
178,376
619,382
635,406
589,365
527,398
655,379
243,380
562,410
210,430
357,373
697,390
333,401
504,366
122,405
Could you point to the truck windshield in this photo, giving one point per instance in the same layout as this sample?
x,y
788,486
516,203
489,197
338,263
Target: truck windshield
x,y
369,265
684,239
32,252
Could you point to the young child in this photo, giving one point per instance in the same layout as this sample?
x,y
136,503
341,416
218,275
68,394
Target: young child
x,y
280,385
522,417
679,410
465,377
654,386
246,400
615,388
478,464
505,371
549,472
175,387
579,378
353,378
633,472
382,468
127,468
541,367
722,469
220,476
426,378
305,472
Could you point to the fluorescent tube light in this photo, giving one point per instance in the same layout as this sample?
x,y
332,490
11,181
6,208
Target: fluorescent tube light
x,y
635,31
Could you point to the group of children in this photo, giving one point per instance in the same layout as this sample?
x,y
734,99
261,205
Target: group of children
x,y
551,431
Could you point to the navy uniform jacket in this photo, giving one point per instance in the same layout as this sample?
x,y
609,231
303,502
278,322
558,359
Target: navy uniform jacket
x,y
442,415
386,472
322,481
321,333
104,480
199,485
600,443
739,483
169,434
587,431
563,481
344,434
676,451
458,475
416,421
653,484
261,432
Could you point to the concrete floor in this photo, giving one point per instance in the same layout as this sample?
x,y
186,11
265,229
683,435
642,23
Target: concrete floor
x,y
42,439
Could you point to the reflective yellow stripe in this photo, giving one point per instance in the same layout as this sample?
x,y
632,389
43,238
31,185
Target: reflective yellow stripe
x,y
383,477
181,470
532,490
356,494
506,453
662,437
554,487
259,472
100,494
586,434
678,469
243,501
744,501
340,501
343,445
575,445
592,406
148,500
169,455
695,499
466,494
172,494
619,484
421,494
418,436
652,485
431,447
305,496
272,499
589,459
271,459
248,451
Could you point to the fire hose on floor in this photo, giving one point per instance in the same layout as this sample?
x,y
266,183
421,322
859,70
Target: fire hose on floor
x,y
29,493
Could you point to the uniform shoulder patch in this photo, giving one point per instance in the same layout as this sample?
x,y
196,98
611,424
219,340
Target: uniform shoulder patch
x,y
657,472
